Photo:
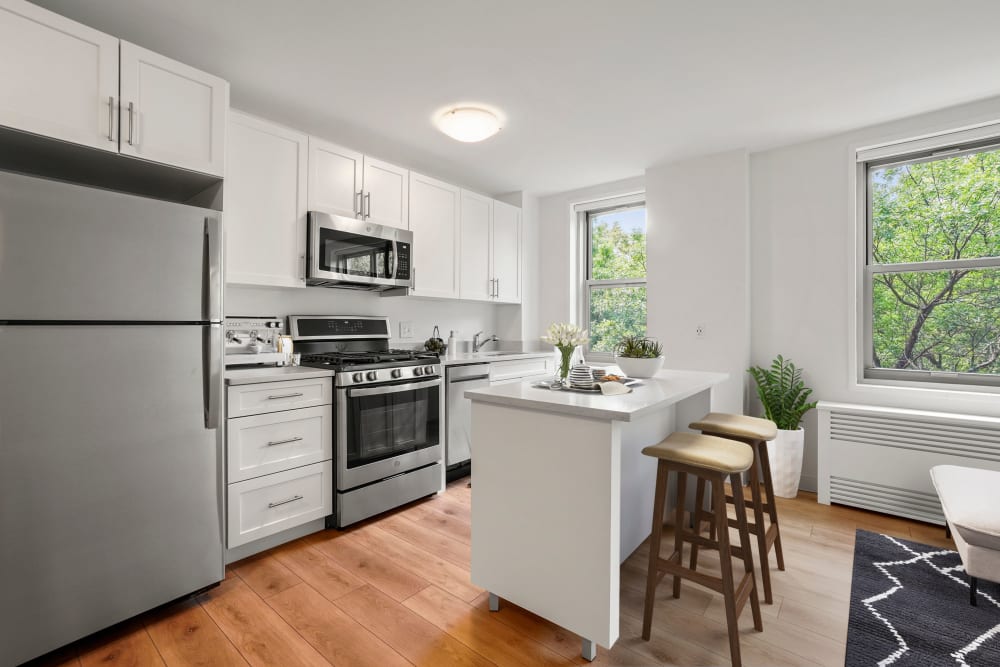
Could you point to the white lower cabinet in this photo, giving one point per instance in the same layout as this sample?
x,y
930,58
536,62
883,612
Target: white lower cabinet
x,y
279,457
520,369
270,504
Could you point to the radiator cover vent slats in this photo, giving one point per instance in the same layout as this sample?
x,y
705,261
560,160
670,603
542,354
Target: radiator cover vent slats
x,y
926,436
887,499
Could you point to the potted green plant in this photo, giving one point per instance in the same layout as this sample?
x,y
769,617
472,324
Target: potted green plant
x,y
639,356
784,396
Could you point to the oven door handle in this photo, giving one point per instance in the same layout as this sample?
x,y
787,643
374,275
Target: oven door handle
x,y
393,389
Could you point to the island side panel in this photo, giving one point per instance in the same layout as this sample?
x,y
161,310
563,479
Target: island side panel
x,y
546,511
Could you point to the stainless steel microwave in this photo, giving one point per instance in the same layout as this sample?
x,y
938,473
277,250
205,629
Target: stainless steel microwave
x,y
355,254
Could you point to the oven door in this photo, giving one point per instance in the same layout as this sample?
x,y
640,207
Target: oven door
x,y
353,252
386,430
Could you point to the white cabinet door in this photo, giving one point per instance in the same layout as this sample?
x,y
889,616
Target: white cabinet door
x,y
434,220
477,219
172,113
58,78
335,178
506,252
386,198
265,203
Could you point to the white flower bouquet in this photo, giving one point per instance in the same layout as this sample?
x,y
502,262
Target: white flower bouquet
x,y
565,337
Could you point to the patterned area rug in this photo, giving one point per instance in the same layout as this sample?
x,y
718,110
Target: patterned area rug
x,y
910,606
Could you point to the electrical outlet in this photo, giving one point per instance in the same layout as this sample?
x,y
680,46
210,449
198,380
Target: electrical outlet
x,y
699,331
406,329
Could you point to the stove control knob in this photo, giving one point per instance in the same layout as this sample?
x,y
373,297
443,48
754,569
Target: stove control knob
x,y
428,370
418,371
358,377
397,372
371,376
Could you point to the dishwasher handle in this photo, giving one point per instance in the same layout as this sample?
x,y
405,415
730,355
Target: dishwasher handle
x,y
468,379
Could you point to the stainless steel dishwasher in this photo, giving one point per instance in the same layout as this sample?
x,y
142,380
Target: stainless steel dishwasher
x,y
458,444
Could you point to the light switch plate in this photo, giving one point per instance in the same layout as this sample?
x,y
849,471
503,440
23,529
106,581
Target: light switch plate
x,y
406,329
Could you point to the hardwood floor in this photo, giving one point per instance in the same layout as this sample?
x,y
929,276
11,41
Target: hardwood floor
x,y
396,591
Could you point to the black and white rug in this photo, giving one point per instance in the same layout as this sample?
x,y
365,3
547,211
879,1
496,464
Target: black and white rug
x,y
910,606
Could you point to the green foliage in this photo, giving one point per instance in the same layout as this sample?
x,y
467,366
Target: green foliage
x,y
782,393
942,320
638,347
616,312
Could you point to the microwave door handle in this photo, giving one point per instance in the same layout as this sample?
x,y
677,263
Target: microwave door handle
x,y
393,389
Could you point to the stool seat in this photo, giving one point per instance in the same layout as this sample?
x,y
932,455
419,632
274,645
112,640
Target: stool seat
x,y
703,451
738,426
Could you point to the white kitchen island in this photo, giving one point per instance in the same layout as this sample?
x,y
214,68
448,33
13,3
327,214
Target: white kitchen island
x,y
562,494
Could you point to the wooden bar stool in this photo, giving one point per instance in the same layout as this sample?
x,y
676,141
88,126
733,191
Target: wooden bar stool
x,y
711,460
754,432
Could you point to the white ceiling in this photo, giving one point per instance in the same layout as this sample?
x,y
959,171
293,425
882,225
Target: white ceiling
x,y
593,90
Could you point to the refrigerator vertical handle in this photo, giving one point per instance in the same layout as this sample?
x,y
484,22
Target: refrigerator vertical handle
x,y
212,355
213,269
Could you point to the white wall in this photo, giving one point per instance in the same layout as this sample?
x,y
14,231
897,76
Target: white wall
x,y
698,270
803,252
557,272
466,317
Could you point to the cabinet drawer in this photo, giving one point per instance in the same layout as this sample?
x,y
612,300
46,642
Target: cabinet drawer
x,y
255,399
263,444
518,368
270,504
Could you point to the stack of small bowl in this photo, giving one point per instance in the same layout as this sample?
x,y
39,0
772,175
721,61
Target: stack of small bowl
x,y
580,377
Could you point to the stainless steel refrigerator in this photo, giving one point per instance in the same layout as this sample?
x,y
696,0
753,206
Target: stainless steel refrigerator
x,y
110,416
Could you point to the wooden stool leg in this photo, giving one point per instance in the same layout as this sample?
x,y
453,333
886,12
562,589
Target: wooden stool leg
x,y
726,559
747,552
654,546
765,465
699,502
760,529
679,526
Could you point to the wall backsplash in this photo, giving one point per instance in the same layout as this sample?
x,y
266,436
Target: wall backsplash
x,y
465,317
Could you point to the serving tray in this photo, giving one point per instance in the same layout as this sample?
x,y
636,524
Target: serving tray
x,y
629,382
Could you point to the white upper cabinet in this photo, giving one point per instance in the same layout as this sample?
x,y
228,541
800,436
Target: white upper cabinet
x,y
434,219
335,178
58,78
477,219
386,197
172,113
265,203
506,244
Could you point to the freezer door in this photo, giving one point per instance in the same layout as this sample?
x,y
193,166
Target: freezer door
x,y
74,253
110,482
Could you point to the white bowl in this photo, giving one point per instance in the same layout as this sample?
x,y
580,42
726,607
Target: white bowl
x,y
639,368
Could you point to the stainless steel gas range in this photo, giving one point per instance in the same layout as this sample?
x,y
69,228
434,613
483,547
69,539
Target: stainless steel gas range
x,y
388,413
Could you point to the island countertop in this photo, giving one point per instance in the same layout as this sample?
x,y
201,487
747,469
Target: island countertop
x,y
666,388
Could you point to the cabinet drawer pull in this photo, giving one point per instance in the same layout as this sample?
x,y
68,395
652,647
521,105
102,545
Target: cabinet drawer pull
x,y
274,398
271,506
111,117
282,442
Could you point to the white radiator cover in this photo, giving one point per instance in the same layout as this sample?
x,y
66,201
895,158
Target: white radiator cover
x,y
880,458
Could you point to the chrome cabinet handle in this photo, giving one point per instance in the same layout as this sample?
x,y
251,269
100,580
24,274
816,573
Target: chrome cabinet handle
x,y
274,398
282,442
368,205
413,274
359,204
111,118
131,108
283,502
496,287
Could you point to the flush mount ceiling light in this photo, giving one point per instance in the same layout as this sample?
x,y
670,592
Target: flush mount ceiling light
x,y
468,124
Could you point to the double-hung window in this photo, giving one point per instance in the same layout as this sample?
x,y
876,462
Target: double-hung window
x,y
932,270
613,303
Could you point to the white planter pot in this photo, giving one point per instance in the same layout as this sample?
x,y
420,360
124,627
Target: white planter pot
x,y
639,368
785,455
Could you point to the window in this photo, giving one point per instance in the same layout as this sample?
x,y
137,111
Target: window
x,y
932,272
614,285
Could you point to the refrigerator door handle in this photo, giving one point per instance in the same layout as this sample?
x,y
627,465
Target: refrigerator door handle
x,y
213,269
213,375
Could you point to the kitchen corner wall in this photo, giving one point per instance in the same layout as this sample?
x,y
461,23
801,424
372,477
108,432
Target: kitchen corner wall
x,y
698,268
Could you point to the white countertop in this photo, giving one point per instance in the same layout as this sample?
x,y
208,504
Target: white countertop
x,y
254,374
485,357
668,387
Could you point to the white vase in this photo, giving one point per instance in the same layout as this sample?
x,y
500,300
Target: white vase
x,y
639,368
785,456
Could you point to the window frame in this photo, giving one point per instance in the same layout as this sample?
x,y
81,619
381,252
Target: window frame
x,y
869,268
585,282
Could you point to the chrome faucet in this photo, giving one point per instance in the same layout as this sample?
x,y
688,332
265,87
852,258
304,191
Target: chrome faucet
x,y
478,344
